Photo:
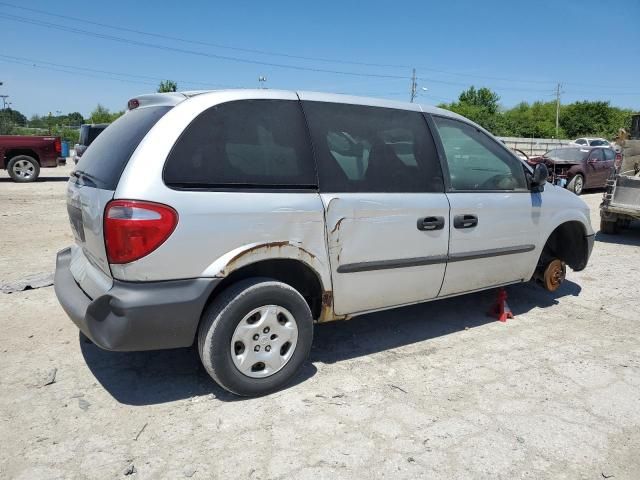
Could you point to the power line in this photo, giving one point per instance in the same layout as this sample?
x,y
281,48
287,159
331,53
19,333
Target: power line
x,y
299,57
235,59
200,42
72,70
193,52
263,52
33,65
157,78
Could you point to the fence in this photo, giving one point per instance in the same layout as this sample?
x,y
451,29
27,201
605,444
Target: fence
x,y
534,146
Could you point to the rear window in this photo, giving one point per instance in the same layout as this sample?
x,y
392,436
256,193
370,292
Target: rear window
x,y
569,154
104,161
244,144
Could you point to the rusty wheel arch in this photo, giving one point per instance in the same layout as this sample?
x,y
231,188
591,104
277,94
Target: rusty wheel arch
x,y
295,273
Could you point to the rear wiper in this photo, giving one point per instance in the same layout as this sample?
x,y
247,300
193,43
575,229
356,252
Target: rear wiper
x,y
84,177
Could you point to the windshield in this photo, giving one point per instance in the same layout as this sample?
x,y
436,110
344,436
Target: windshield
x,y
568,154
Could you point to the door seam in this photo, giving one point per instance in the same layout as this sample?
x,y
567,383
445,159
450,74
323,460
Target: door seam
x,y
448,247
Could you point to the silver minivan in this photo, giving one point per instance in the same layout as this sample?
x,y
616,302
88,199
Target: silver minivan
x,y
237,219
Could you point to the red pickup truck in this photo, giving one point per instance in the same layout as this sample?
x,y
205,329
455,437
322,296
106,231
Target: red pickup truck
x,y
23,156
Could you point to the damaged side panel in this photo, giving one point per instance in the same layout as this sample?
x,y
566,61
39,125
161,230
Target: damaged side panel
x,y
379,258
236,229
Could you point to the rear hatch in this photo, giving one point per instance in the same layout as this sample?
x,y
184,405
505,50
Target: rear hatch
x,y
93,184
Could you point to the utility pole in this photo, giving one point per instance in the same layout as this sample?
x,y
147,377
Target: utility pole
x,y
414,86
558,108
4,101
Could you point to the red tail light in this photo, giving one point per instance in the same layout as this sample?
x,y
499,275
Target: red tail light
x,y
134,229
618,160
57,145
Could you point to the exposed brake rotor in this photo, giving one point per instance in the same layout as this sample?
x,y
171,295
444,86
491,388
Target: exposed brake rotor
x,y
554,275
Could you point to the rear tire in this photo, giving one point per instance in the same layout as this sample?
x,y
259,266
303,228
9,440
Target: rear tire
x,y
23,169
576,185
241,362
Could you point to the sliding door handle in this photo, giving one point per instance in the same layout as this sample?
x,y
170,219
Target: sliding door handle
x,y
465,221
431,223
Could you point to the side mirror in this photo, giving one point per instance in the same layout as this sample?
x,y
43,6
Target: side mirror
x,y
540,175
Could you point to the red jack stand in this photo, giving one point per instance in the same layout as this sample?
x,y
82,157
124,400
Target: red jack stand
x,y
501,309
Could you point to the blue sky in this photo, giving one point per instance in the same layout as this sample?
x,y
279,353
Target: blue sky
x,y
520,49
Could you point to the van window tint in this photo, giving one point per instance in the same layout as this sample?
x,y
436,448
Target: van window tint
x,y
476,162
105,159
372,149
248,143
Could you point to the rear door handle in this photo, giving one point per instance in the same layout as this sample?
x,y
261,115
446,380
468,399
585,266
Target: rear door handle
x,y
431,223
465,221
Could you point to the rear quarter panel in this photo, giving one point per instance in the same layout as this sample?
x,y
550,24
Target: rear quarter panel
x,y
219,231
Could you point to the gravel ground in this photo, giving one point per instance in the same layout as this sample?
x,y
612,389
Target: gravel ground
x,y
433,391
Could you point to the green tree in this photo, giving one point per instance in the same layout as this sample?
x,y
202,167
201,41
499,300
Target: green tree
x,y
7,125
167,86
483,98
72,135
100,114
16,117
37,121
75,118
479,105
116,115
536,120
10,120
593,118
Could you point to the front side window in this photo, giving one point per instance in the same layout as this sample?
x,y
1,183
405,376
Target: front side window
x,y
599,143
244,144
477,162
372,149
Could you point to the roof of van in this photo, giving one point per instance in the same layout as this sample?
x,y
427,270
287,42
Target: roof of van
x,y
173,98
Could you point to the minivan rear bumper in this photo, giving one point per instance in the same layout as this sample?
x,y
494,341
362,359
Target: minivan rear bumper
x,y
134,316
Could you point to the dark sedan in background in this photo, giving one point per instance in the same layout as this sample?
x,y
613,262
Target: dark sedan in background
x,y
578,168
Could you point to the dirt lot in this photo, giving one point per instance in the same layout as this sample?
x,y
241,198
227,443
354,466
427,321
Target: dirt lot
x,y
433,391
